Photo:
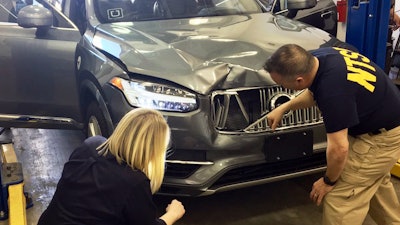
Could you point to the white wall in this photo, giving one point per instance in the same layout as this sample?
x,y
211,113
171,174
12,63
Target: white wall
x,y
341,29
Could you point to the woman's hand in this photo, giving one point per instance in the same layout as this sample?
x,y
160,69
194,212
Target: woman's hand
x,y
174,212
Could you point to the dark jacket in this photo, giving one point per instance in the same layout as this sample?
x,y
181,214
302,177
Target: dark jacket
x,y
97,190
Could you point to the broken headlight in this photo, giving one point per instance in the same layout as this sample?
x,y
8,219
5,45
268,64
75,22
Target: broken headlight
x,y
156,96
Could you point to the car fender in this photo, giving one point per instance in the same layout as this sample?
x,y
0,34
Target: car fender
x,y
91,92
90,87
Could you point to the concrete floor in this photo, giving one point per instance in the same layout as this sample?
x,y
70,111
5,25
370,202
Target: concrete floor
x,y
43,153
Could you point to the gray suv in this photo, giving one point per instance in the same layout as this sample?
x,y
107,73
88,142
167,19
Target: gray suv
x,y
82,64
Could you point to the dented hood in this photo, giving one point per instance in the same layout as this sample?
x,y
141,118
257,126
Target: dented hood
x,y
205,53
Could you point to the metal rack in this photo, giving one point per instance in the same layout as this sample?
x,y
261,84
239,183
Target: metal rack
x,y
13,199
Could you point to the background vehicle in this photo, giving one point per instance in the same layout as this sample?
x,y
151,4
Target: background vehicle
x,y
323,15
84,64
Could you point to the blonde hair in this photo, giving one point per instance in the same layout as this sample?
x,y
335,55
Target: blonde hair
x,y
140,140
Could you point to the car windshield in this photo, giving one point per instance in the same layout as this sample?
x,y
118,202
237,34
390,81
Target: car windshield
x,y
109,11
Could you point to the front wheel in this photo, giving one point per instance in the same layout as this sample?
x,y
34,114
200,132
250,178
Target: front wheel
x,y
95,123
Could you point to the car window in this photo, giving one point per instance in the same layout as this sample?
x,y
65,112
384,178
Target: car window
x,y
268,4
56,3
279,7
109,11
9,11
75,10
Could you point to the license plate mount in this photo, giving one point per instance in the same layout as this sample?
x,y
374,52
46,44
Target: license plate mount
x,y
287,146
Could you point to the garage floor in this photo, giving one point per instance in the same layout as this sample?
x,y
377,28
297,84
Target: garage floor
x,y
43,153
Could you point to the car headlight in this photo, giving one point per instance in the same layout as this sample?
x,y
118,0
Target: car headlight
x,y
156,96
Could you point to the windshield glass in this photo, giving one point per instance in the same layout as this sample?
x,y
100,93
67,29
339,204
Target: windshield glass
x,y
109,11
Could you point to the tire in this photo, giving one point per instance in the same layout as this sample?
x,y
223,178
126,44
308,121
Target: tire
x,y
95,123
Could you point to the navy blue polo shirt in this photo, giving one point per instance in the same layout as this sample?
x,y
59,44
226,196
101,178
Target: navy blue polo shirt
x,y
353,92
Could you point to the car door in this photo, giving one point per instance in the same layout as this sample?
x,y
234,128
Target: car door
x,y
37,69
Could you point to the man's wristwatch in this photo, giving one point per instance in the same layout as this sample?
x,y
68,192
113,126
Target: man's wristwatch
x,y
328,181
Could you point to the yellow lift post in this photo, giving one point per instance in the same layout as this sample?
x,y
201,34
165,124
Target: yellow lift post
x,y
12,199
396,169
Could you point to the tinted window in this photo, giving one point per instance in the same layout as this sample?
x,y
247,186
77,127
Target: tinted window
x,y
8,11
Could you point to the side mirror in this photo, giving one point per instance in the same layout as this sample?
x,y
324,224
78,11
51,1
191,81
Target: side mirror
x,y
35,16
301,4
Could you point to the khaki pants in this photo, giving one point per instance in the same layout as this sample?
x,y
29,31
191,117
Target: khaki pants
x,y
364,185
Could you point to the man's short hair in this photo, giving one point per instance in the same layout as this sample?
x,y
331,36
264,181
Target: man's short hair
x,y
290,60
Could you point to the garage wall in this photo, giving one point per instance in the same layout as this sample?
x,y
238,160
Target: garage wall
x,y
341,29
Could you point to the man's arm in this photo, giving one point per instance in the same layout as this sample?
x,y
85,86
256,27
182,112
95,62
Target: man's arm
x,y
395,17
304,100
336,153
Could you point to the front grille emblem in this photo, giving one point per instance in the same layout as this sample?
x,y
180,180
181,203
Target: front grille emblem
x,y
278,99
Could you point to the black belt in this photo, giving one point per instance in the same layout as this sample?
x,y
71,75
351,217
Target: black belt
x,y
381,130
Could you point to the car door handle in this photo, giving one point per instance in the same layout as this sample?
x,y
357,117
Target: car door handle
x,y
326,14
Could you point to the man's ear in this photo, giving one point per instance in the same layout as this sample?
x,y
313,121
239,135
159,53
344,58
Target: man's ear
x,y
299,80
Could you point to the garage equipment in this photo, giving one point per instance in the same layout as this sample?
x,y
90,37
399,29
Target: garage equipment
x,y
396,169
367,28
13,199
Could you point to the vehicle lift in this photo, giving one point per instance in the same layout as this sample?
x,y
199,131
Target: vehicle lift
x,y
396,169
13,199
367,28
